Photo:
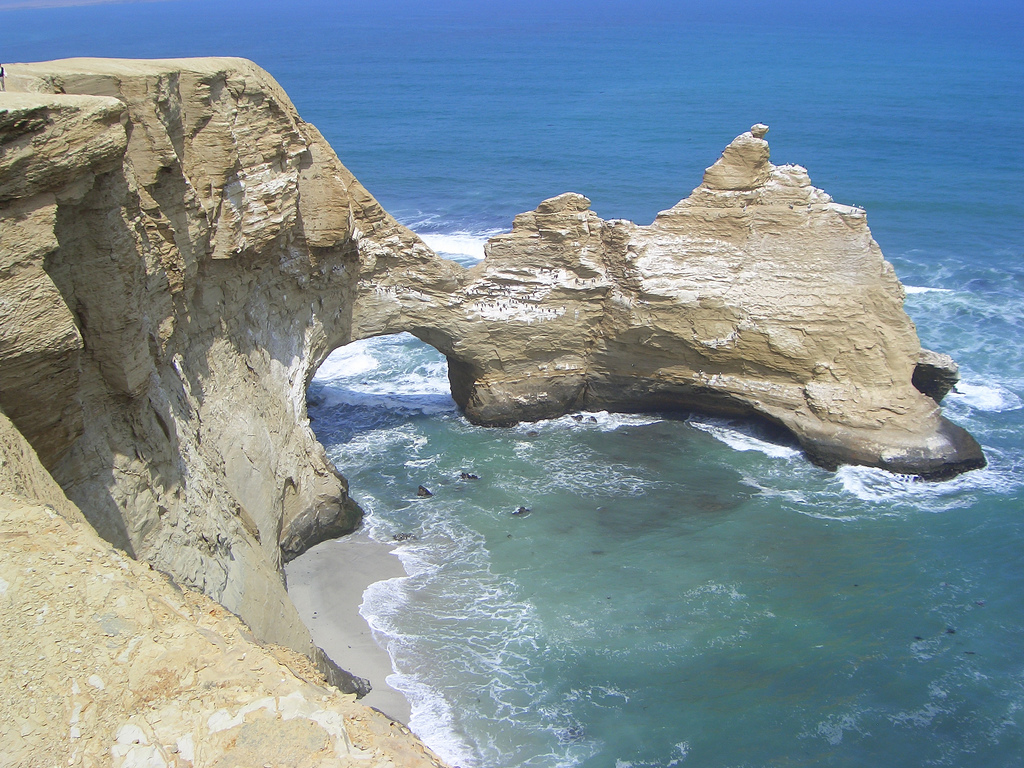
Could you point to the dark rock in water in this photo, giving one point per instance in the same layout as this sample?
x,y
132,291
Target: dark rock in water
x,y
423,492
404,537
522,512
950,631
571,734
468,476
532,433
592,419
935,374
577,417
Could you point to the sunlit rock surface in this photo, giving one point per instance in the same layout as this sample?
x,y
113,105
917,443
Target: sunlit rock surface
x,y
757,295
180,251
107,662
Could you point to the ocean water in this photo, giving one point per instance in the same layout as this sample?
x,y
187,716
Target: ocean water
x,y
680,591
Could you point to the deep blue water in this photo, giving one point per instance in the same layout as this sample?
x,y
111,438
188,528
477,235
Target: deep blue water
x,y
682,593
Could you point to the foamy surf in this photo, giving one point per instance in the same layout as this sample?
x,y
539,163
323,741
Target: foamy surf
x,y
466,248
392,372
741,436
346,362
982,397
602,421
477,631
888,493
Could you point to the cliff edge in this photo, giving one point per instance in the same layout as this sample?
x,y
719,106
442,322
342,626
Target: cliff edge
x,y
180,251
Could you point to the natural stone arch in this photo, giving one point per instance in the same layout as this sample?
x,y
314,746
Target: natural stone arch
x,y
757,295
187,276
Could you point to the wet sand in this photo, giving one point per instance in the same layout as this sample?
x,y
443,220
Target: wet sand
x,y
327,584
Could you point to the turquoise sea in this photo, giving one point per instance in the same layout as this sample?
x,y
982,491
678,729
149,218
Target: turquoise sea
x,y
683,592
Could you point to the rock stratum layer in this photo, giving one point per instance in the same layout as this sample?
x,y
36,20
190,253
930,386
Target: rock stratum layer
x,y
179,252
173,238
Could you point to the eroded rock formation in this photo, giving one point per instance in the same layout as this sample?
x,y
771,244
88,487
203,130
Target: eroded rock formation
x,y
179,251
173,235
757,295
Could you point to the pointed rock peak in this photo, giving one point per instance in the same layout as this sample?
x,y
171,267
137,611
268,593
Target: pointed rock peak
x,y
569,202
744,163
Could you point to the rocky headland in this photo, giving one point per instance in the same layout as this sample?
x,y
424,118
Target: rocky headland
x,y
179,252
757,295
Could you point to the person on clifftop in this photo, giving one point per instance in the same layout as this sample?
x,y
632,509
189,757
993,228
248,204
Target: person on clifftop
x,y
3,82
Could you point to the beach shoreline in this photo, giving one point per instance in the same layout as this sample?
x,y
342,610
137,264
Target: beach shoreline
x,y
327,585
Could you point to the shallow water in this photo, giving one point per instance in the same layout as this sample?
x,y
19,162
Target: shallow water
x,y
677,589
682,592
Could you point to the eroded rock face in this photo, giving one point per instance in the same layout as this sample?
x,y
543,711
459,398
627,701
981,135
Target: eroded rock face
x,y
756,295
181,251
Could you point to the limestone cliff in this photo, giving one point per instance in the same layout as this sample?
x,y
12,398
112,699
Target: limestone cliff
x,y
179,251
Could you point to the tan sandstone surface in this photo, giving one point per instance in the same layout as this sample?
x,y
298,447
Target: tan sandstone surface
x,y
179,251
757,295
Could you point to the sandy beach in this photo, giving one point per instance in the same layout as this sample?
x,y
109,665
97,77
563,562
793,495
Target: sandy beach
x,y
327,585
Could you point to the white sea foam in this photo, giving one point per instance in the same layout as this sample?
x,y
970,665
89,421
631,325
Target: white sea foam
x,y
912,289
363,450
474,622
466,248
683,750
888,492
345,362
600,420
433,721
393,372
835,726
574,469
981,397
741,437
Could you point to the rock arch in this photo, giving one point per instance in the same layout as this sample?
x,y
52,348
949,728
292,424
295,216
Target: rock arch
x,y
184,251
